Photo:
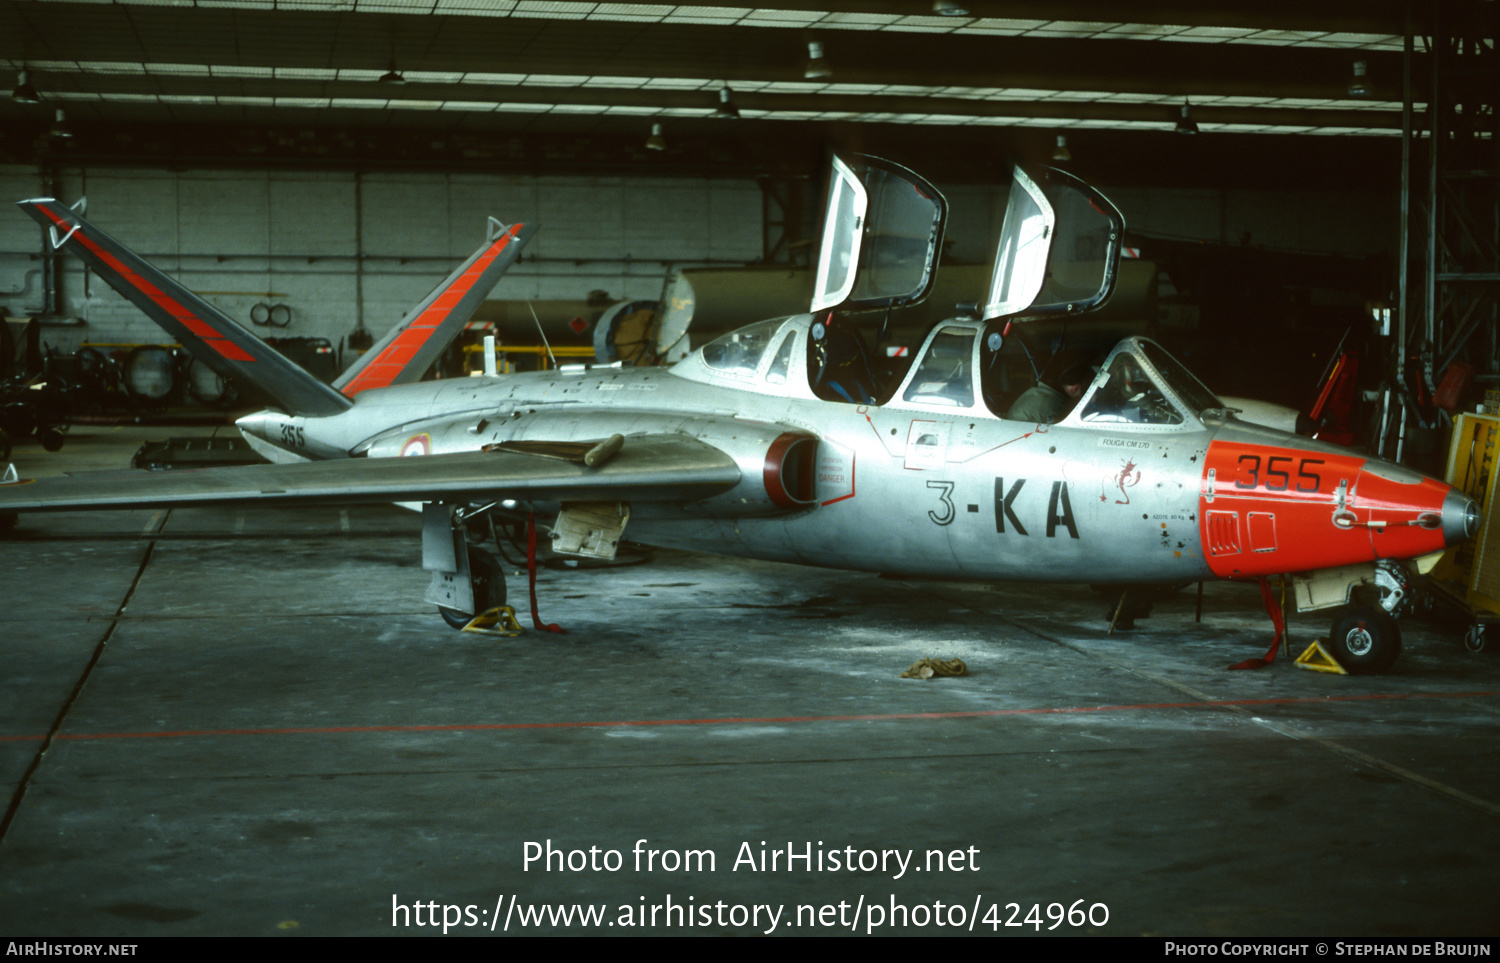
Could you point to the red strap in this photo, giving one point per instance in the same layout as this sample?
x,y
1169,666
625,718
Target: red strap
x,y
1273,609
536,618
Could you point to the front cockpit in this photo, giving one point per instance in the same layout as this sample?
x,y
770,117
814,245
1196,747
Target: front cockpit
x,y
1140,384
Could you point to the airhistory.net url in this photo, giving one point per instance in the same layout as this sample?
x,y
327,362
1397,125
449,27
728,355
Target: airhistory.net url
x,y
860,916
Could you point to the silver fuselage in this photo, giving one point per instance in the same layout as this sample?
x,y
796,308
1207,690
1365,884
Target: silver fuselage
x,y
905,487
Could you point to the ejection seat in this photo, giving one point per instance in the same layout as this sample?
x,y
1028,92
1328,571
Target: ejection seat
x,y
840,364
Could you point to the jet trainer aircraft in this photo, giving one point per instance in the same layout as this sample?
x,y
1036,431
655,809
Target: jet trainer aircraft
x,y
780,441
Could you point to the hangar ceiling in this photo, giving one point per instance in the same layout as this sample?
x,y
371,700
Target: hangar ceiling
x,y
538,86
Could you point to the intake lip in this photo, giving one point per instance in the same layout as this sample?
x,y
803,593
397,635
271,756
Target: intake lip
x,y
789,467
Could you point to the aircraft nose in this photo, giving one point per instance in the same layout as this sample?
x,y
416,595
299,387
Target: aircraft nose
x,y
1460,518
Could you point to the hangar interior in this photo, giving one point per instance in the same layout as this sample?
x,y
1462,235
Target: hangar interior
x,y
229,720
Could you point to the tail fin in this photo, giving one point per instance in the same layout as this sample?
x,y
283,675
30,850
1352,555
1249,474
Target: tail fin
x,y
411,347
202,329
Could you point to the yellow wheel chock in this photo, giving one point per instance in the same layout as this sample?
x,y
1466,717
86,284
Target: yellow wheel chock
x,y
498,622
1317,659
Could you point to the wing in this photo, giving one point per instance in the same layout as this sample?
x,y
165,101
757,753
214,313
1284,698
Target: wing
x,y
646,468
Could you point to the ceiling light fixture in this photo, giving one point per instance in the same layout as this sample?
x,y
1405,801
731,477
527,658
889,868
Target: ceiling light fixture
x,y
392,76
726,108
949,8
60,126
1360,85
817,68
24,92
656,141
1185,123
1062,155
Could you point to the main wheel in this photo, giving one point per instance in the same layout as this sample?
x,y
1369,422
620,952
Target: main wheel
x,y
1474,639
488,582
455,618
1365,639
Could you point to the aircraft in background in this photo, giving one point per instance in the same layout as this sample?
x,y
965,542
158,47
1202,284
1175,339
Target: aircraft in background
x,y
779,441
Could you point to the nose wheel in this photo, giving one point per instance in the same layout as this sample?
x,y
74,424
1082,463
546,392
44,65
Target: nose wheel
x,y
1365,639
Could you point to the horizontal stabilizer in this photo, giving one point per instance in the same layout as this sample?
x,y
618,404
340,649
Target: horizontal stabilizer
x,y
410,348
208,333
647,468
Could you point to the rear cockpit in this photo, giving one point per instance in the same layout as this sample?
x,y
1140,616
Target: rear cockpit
x,y
768,357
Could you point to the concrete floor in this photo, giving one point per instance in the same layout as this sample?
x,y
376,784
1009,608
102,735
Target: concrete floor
x,y
257,726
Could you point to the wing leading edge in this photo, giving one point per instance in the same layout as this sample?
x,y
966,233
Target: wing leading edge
x,y
647,468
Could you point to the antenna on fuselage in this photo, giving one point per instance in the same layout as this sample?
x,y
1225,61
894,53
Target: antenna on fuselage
x,y
541,332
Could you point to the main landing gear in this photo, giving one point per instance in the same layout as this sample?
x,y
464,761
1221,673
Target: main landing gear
x,y
486,585
466,580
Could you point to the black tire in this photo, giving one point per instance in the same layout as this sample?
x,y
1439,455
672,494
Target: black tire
x,y
1365,639
1476,639
488,581
455,618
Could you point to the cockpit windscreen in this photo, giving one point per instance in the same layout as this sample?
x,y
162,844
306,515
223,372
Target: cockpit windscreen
x,y
1180,380
1129,397
740,352
1156,392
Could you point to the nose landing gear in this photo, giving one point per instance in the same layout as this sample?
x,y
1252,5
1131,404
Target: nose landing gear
x,y
1365,639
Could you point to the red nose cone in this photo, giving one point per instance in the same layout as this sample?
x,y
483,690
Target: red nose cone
x,y
1266,510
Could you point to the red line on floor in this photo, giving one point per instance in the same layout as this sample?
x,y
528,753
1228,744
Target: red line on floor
x,y
742,720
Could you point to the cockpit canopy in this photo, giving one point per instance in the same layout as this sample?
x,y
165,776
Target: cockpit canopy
x,y
962,366
742,354
1057,251
1141,384
882,232
1059,248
